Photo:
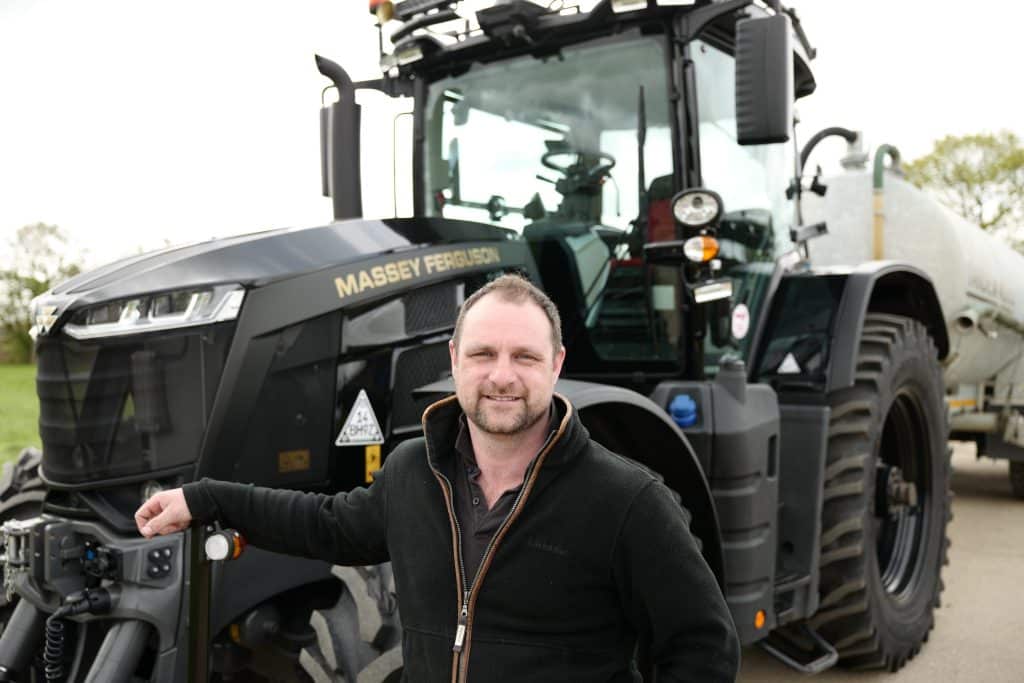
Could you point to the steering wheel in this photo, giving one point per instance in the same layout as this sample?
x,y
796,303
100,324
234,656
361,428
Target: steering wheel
x,y
589,167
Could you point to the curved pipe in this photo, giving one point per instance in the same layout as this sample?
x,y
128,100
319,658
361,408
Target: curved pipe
x,y
335,73
20,640
845,133
878,242
120,652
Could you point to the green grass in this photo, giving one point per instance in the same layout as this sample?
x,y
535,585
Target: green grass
x,y
19,410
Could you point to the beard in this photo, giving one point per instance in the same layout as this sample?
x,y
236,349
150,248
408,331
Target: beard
x,y
492,418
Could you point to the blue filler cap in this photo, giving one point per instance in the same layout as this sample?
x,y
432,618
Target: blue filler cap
x,y
683,410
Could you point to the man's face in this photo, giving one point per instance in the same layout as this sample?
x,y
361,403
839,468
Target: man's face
x,y
505,368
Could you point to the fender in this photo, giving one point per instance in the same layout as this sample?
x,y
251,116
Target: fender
x,y
881,287
634,426
816,317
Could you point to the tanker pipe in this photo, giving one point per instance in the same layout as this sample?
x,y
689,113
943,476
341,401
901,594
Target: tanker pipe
x,y
883,151
21,639
984,423
120,652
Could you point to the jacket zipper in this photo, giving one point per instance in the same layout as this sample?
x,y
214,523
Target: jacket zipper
x,y
464,625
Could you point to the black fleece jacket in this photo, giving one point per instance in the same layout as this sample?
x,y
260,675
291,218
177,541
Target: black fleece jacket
x,y
595,553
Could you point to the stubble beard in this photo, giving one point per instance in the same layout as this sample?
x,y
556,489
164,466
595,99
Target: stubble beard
x,y
523,421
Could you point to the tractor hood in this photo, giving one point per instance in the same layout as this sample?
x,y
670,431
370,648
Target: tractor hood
x,y
253,260
263,257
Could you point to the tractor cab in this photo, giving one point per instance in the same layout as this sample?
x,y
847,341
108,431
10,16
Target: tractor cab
x,y
576,129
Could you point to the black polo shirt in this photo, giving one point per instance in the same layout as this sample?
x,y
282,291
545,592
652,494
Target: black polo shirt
x,y
477,523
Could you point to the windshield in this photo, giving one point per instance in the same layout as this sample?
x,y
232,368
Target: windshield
x,y
752,181
530,138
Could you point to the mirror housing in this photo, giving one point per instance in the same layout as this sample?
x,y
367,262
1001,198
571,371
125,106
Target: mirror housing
x,y
339,145
764,80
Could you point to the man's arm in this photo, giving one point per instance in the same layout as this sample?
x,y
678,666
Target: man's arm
x,y
670,594
347,528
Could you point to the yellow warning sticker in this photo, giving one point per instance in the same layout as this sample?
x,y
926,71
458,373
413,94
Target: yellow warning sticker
x,y
372,461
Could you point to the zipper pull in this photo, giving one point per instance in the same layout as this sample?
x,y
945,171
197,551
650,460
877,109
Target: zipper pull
x,y
460,631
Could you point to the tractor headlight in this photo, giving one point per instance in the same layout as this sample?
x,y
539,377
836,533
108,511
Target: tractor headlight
x,y
697,208
163,311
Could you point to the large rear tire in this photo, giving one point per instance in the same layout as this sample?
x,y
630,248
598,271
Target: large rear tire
x,y
359,639
21,497
886,499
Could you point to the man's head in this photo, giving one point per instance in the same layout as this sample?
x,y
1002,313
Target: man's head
x,y
506,355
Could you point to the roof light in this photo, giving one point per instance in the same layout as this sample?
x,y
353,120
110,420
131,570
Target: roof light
x,y
701,249
404,54
164,311
697,208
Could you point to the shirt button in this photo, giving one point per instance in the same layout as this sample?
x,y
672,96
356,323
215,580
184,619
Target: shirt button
x,y
476,500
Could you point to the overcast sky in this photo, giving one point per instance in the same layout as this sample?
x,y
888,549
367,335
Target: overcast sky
x,y
131,123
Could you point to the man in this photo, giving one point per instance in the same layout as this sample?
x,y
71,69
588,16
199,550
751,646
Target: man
x,y
521,549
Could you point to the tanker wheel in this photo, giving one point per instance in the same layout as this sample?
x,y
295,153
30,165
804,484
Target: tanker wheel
x,y
359,639
886,499
1017,478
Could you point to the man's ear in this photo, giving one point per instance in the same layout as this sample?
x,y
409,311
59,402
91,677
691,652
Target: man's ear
x,y
453,355
559,359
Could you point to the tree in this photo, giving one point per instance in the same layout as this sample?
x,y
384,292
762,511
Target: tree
x,y
981,177
41,260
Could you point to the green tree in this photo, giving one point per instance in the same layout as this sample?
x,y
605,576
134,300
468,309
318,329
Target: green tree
x,y
981,177
41,260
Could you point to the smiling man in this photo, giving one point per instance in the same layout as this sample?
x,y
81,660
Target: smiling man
x,y
522,550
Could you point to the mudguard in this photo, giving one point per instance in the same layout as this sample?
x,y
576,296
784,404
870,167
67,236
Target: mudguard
x,y
815,321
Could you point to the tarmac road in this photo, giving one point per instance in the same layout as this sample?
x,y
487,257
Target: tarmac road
x,y
979,630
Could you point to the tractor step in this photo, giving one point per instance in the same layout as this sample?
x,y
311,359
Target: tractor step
x,y
800,647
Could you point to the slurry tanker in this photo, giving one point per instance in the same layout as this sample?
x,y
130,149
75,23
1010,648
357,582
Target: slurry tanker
x,y
636,159
874,214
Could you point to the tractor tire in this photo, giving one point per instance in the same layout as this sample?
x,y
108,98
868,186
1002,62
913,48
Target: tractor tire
x,y
1017,478
21,497
886,500
359,639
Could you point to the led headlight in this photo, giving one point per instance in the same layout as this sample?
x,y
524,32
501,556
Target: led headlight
x,y
621,6
697,208
167,310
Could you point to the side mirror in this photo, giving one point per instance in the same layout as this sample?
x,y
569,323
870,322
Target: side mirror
x,y
764,80
339,145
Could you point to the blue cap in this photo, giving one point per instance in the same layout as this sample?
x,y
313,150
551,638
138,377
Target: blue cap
x,y
683,410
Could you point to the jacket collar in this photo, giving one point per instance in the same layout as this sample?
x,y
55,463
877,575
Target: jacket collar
x,y
441,426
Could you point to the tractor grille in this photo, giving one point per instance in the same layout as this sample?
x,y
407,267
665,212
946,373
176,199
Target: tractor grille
x,y
430,309
414,368
126,406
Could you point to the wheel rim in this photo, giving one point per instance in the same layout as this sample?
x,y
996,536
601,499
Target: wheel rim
x,y
901,525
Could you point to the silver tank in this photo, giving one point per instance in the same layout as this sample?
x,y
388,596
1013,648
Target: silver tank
x,y
979,279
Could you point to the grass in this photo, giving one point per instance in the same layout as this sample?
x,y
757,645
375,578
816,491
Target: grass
x,y
19,410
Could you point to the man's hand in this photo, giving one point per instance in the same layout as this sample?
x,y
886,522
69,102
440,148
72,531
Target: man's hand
x,y
164,513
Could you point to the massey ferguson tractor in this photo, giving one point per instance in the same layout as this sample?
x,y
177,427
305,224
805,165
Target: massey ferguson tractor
x,y
636,158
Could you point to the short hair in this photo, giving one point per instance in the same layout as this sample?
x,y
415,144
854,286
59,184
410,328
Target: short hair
x,y
514,288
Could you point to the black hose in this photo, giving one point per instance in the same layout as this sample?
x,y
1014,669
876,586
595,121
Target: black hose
x,y
845,133
53,651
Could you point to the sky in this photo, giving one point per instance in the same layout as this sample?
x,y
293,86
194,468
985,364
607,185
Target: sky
x,y
133,124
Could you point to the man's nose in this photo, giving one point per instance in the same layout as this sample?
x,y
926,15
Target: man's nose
x,y
502,371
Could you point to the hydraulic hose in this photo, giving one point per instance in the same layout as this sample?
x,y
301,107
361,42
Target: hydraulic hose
x,y
845,133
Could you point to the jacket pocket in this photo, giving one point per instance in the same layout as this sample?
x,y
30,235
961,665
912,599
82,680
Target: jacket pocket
x,y
427,656
494,660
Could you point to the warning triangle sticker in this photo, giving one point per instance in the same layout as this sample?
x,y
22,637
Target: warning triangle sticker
x,y
789,366
361,426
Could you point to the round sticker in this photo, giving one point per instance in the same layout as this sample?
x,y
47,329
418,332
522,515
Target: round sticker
x,y
740,321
